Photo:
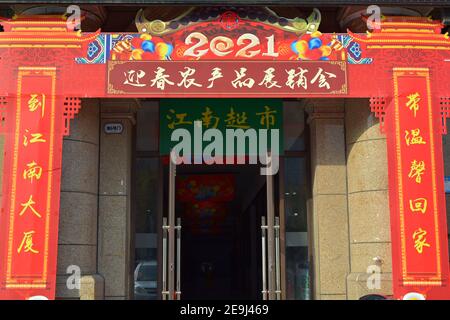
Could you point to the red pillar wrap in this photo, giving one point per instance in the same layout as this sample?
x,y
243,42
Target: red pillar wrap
x,y
31,188
416,187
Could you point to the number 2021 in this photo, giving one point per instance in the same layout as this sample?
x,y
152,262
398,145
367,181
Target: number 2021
x,y
222,46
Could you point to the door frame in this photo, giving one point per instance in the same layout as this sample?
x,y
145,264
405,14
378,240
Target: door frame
x,y
279,205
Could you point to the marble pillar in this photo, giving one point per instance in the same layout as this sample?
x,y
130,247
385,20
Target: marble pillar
x,y
329,216
368,202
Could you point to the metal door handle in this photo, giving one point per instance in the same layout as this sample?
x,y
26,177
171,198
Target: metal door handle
x,y
178,266
263,259
277,258
164,291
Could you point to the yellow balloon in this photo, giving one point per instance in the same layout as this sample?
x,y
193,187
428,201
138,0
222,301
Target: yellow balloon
x,y
326,51
302,56
316,34
162,49
137,54
301,46
146,36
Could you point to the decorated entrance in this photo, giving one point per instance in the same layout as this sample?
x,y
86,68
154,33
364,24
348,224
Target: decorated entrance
x,y
46,67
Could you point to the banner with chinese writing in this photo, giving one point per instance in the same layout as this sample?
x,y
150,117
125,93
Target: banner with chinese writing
x,y
417,198
30,202
226,78
220,114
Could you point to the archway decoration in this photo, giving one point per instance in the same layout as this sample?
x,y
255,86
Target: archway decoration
x,y
402,67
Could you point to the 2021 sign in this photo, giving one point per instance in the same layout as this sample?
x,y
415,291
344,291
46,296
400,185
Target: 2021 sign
x,y
246,46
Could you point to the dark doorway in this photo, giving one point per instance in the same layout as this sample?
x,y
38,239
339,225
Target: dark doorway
x,y
220,208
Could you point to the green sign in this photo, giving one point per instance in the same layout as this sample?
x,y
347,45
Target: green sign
x,y
247,115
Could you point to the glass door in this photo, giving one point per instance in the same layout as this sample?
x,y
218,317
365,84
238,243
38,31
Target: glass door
x,y
270,244
171,245
254,192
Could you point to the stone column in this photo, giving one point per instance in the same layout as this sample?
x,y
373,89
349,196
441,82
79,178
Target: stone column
x,y
77,239
92,287
114,198
368,202
329,198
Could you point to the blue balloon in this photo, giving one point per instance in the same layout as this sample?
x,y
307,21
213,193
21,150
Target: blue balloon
x,y
293,48
314,43
148,46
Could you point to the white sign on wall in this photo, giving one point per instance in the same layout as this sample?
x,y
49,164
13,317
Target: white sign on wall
x,y
113,128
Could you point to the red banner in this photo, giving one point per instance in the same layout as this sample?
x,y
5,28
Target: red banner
x,y
30,203
226,78
417,199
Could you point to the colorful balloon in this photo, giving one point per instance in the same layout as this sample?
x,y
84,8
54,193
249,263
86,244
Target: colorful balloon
x,y
170,49
148,46
146,36
301,46
302,56
316,34
315,43
311,47
294,47
326,50
163,49
136,54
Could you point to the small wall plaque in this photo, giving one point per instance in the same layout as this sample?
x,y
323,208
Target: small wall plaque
x,y
113,128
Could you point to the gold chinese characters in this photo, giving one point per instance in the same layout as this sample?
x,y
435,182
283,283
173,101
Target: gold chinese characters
x,y
32,171
267,119
418,205
29,205
416,170
413,137
413,102
27,243
36,102
420,240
